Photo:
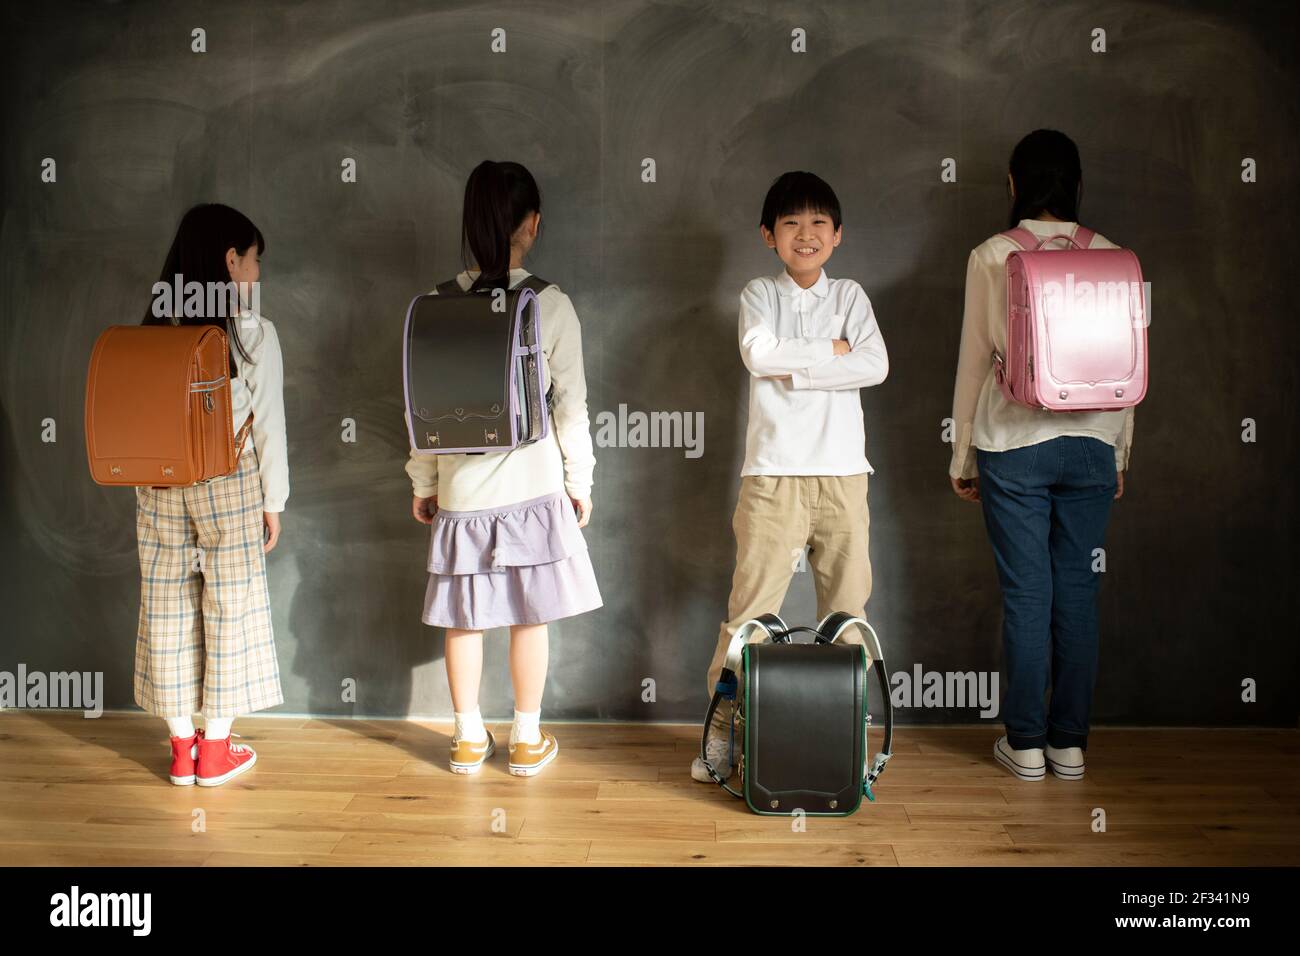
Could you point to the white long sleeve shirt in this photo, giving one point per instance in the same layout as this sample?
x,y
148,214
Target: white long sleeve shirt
x,y
562,461
810,423
259,389
982,417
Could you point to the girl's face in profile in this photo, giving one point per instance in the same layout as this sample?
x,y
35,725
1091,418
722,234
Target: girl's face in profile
x,y
246,267
526,234
245,270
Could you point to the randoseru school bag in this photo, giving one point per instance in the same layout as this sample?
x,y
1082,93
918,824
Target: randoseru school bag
x,y
158,406
1076,326
473,368
801,716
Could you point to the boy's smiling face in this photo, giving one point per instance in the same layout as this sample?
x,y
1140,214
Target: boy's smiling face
x,y
803,240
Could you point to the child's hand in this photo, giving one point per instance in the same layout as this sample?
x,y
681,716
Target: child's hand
x,y
582,506
270,530
1119,484
423,509
841,346
967,489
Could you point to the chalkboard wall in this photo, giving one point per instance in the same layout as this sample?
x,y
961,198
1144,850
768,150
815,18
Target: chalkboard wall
x,y
1199,592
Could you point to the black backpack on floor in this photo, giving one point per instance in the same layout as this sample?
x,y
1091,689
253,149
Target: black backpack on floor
x,y
801,716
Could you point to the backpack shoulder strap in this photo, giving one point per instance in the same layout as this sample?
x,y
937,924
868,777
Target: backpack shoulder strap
x,y
1021,237
1025,239
536,283
830,628
728,683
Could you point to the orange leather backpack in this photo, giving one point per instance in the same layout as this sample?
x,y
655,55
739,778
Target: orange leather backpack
x,y
158,406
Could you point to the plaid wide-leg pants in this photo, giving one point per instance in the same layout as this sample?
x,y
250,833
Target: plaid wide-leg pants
x,y
205,642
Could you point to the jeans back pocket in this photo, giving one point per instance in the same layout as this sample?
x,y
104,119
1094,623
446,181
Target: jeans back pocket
x,y
1013,463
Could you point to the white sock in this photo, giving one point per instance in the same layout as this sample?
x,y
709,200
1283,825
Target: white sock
x,y
180,726
217,728
526,728
469,726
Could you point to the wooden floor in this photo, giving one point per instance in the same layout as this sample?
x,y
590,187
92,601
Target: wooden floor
x,y
344,792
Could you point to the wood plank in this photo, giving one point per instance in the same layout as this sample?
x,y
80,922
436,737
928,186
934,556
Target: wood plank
x,y
162,835
495,850
614,823
665,853
859,829
1203,854
1082,834
36,854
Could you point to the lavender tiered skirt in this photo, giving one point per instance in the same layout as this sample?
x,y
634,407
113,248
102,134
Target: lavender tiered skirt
x,y
524,563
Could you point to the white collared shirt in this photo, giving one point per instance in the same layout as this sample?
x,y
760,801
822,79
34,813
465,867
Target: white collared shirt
x,y
982,417
810,423
259,389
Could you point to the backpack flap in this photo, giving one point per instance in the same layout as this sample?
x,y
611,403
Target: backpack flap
x,y
143,385
805,728
458,377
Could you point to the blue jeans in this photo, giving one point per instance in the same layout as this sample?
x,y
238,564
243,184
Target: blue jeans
x,y
1046,508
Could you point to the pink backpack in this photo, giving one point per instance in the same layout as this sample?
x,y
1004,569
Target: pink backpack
x,y
1076,326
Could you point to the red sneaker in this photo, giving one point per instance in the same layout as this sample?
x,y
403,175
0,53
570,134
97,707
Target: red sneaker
x,y
220,760
185,751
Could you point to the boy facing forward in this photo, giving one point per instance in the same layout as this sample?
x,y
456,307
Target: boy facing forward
x,y
809,342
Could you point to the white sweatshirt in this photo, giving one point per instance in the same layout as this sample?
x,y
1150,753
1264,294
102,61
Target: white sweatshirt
x,y
810,423
982,417
259,389
562,461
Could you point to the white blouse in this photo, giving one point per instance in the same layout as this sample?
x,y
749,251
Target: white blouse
x,y
259,389
982,417
562,461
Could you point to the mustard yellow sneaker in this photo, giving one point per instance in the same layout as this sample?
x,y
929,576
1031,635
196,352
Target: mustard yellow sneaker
x,y
468,756
527,760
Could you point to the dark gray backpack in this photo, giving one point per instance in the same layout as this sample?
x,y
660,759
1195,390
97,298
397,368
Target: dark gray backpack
x,y
473,368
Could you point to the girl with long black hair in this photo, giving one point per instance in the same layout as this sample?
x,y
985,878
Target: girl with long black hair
x,y
205,644
1046,481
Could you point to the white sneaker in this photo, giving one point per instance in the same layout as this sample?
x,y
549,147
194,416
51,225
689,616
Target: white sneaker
x,y
1066,763
1027,764
718,750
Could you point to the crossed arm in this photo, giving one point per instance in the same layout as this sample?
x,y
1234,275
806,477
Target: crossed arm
x,y
856,361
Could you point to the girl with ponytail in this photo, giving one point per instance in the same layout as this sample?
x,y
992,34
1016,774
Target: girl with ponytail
x,y
505,548
1045,480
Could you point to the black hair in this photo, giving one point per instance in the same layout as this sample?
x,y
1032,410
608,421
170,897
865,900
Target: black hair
x,y
498,195
198,254
1048,176
797,192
